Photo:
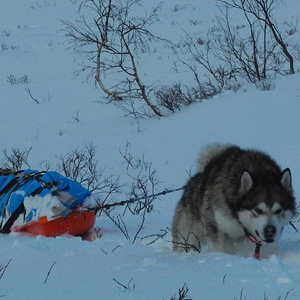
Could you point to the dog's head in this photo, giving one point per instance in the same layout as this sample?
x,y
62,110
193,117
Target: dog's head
x,y
267,206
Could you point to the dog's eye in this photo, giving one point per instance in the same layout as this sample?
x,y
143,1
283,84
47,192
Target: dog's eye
x,y
278,211
258,211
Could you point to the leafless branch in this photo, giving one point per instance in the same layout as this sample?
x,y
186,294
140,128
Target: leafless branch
x,y
49,272
112,41
16,159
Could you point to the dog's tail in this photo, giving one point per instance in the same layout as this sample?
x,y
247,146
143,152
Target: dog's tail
x,y
209,152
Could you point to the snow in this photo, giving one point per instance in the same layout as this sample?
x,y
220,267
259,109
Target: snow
x,y
34,208
72,114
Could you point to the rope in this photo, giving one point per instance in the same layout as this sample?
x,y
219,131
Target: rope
x,y
131,200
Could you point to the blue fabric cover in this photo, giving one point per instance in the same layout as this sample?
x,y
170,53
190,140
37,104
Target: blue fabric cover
x,y
17,196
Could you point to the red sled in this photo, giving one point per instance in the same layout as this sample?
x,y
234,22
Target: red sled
x,y
76,223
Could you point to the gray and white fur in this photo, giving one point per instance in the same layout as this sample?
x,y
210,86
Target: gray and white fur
x,y
235,192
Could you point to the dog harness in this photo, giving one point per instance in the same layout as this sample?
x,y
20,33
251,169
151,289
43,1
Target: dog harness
x,y
257,243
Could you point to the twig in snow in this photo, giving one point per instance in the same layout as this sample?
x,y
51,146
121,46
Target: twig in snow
x,y
34,99
49,271
182,294
3,269
126,287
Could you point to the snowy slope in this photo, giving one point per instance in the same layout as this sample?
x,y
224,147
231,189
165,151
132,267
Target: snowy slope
x,y
71,114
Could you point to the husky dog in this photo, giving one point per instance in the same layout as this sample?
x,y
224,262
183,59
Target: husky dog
x,y
235,194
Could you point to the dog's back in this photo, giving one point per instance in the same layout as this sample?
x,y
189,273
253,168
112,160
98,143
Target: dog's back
x,y
209,152
187,228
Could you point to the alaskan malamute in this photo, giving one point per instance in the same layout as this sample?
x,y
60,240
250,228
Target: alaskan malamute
x,y
236,194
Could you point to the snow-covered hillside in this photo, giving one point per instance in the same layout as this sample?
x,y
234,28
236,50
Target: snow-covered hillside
x,y
71,114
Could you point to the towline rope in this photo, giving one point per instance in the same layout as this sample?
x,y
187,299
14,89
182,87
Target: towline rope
x,y
131,200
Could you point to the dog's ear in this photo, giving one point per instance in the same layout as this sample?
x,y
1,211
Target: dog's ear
x,y
286,180
246,182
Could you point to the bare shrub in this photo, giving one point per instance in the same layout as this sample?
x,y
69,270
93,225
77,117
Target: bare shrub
x,y
15,81
81,165
112,42
16,159
156,236
262,12
265,85
185,245
140,196
182,294
172,97
254,52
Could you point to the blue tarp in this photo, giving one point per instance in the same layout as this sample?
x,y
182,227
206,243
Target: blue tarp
x,y
26,185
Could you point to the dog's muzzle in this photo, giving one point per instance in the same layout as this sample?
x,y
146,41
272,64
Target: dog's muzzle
x,y
269,234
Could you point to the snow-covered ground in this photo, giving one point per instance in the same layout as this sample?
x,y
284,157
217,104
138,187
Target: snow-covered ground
x,y
71,114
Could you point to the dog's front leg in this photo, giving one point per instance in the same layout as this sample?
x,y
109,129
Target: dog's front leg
x,y
215,238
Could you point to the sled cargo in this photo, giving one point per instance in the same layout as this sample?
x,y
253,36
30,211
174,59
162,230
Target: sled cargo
x,y
43,203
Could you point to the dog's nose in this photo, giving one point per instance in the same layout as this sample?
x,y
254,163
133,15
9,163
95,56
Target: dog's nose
x,y
269,231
